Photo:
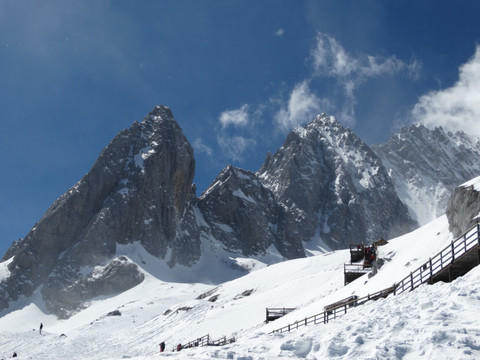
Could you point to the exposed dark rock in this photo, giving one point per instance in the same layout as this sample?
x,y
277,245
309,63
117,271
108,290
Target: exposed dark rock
x,y
64,299
114,313
463,209
244,215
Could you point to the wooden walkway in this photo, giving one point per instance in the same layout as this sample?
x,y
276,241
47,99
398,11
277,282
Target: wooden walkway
x,y
455,260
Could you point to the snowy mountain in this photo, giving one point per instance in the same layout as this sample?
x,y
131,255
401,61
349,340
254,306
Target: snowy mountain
x,y
137,191
427,165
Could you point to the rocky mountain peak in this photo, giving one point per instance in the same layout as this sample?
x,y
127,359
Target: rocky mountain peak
x,y
138,191
160,112
324,174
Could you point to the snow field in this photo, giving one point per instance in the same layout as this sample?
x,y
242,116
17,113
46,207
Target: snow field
x,y
438,321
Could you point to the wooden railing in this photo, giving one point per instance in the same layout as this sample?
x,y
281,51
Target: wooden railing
x,y
207,341
440,261
334,310
423,274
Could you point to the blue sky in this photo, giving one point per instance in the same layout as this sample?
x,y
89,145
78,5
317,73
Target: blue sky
x,y
238,76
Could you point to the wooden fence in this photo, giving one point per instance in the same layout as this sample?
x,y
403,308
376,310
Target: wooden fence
x,y
454,252
207,341
445,258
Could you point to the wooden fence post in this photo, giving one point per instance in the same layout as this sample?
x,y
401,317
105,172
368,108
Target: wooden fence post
x,y
411,280
453,252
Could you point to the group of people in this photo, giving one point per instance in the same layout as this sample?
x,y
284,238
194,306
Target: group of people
x,y
162,347
370,256
178,348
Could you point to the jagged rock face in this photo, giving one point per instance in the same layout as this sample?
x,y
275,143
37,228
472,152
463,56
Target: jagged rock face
x,y
463,209
335,187
245,216
139,189
427,165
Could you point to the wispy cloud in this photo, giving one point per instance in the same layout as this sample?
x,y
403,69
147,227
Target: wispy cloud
x,y
331,60
237,117
302,104
280,32
234,147
458,107
200,147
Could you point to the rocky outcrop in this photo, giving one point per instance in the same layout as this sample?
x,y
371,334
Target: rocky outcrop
x,y
117,276
463,209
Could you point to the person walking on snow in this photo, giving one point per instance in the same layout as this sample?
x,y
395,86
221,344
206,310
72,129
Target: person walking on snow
x,y
41,327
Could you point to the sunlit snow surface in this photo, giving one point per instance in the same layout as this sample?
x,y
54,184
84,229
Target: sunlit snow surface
x,y
438,321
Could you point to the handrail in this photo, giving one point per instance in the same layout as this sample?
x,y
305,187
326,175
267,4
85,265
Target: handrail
x,y
439,262
334,311
206,341
424,273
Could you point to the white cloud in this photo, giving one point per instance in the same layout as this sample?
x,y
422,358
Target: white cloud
x,y
237,117
280,32
455,108
200,147
331,59
234,147
302,106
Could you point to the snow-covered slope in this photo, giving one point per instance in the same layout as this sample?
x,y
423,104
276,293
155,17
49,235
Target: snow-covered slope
x,y
434,321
